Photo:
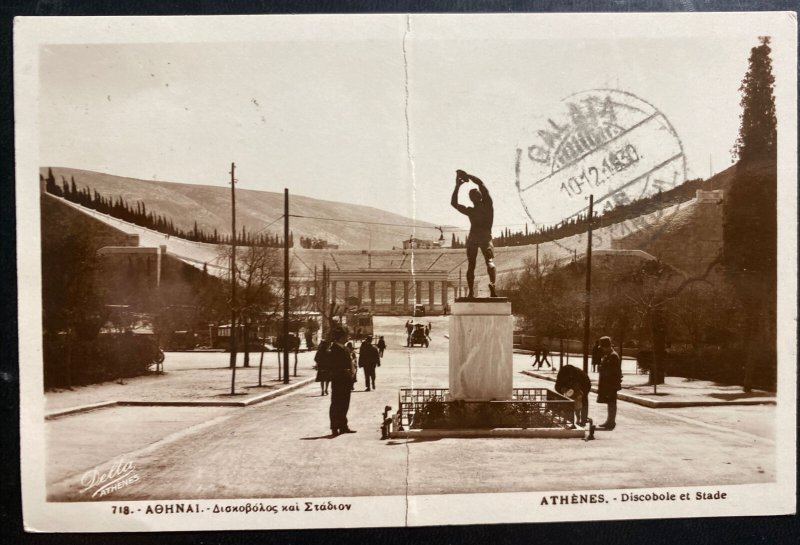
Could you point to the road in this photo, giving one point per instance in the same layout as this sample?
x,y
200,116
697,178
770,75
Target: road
x,y
283,448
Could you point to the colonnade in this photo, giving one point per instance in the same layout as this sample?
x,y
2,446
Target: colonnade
x,y
402,294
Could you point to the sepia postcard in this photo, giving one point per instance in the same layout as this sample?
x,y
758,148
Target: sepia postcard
x,y
327,271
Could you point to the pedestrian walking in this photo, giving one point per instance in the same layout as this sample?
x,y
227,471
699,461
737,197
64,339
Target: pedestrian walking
x,y
537,355
341,370
610,382
321,358
353,363
545,353
368,359
573,383
381,346
409,330
295,345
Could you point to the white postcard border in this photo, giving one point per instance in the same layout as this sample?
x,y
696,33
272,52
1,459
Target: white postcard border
x,y
40,515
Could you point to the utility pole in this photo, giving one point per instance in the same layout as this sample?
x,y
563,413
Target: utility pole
x,y
286,286
587,309
324,306
233,280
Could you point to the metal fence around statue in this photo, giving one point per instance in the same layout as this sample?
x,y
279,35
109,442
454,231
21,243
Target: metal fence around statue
x,y
430,408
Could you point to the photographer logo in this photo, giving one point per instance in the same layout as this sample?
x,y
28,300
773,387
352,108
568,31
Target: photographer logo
x,y
120,474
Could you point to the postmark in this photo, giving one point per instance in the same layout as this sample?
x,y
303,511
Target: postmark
x,y
607,143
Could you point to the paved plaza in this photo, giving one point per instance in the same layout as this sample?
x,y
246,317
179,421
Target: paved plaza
x,y
282,447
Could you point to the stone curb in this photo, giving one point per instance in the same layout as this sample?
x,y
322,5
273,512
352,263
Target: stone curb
x,y
80,409
495,432
281,391
653,404
180,403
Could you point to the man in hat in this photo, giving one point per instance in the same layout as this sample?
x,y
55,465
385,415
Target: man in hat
x,y
368,359
341,381
610,382
481,217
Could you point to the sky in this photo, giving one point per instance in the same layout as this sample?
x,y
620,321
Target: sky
x,y
379,111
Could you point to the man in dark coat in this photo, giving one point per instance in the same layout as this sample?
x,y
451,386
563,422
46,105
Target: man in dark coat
x,y
381,345
368,358
575,384
610,382
321,360
409,329
342,381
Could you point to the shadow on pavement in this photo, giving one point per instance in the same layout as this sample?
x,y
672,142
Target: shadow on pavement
x,y
415,440
329,436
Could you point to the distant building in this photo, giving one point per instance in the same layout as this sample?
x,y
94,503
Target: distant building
x,y
419,244
714,196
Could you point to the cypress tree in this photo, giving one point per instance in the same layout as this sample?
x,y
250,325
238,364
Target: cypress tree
x,y
749,242
50,182
750,208
757,132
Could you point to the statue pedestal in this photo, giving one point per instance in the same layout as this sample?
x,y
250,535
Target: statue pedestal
x,y
481,342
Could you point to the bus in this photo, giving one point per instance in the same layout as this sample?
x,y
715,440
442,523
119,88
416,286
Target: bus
x,y
359,322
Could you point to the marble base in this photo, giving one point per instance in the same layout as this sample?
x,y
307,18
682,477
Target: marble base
x,y
481,343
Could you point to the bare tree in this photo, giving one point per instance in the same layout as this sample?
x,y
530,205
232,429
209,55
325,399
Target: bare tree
x,y
612,312
257,273
655,284
547,298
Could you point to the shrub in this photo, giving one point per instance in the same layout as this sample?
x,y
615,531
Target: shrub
x,y
718,364
112,356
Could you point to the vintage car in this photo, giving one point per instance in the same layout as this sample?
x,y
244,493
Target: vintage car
x,y
418,336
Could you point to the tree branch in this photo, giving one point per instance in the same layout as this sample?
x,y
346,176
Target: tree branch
x,y
692,279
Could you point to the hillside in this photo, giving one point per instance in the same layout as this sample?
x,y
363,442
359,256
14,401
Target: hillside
x,y
687,235
688,239
210,206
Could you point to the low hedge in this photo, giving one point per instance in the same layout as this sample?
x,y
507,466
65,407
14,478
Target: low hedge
x,y
724,365
70,363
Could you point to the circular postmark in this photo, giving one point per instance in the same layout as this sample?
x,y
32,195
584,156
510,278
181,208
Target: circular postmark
x,y
602,142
